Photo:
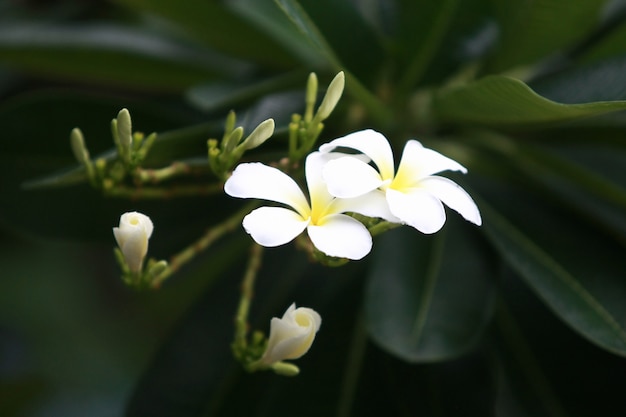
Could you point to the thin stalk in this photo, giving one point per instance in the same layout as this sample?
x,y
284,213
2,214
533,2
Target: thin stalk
x,y
247,293
183,257
148,193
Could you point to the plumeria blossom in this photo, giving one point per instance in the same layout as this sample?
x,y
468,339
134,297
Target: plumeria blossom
x,y
132,237
332,232
414,194
292,335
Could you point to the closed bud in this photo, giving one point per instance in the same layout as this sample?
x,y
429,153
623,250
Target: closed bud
x,y
292,335
132,238
78,146
263,132
333,94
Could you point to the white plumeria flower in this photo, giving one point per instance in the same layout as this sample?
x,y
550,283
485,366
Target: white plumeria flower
x,y
414,194
332,232
292,335
132,237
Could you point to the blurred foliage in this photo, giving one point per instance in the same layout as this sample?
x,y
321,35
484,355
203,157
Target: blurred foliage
x,y
523,316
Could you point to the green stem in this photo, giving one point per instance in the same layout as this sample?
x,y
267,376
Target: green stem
x,y
382,227
247,292
181,258
157,175
162,192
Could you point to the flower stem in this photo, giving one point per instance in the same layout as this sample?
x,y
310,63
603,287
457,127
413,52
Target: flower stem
x,y
181,258
158,175
382,227
162,192
247,292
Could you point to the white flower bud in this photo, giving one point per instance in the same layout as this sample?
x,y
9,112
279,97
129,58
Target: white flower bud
x,y
132,237
292,335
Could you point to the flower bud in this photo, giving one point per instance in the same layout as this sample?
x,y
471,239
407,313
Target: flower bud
x,y
132,237
259,135
292,335
333,94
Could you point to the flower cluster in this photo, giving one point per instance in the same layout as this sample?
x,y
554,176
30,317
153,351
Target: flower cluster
x,y
365,183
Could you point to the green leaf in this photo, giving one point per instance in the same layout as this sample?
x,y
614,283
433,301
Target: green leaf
x,y
266,15
306,26
575,270
507,102
600,81
596,190
217,95
611,44
111,54
530,30
429,298
218,25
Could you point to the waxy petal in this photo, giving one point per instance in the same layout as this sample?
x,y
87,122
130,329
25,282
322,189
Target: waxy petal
x,y
341,236
418,208
256,180
134,247
348,177
274,226
453,196
318,192
372,204
292,335
418,162
372,144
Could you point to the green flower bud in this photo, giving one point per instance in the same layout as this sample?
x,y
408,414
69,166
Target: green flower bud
x,y
263,132
333,94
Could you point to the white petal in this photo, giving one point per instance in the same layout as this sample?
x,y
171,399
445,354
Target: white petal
x,y
453,196
318,192
274,226
256,180
372,204
292,335
135,219
135,248
418,162
341,236
372,144
349,177
419,209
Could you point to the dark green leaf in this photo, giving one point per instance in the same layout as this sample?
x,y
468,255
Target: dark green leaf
x,y
530,30
217,95
307,27
504,101
600,81
575,270
429,297
216,24
265,14
111,54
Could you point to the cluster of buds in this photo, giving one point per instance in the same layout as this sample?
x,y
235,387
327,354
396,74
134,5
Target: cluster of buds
x,y
224,154
132,149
